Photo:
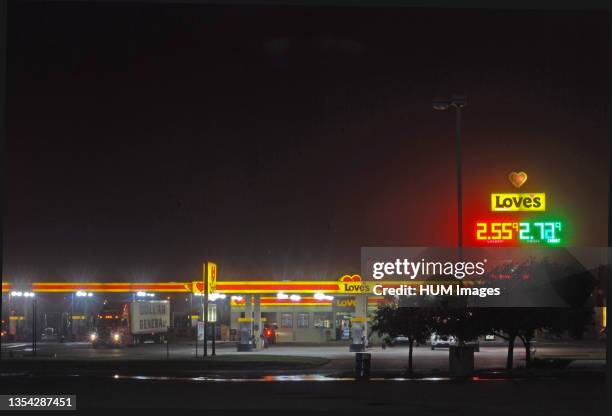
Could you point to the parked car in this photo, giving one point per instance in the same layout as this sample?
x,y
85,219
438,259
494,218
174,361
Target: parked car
x,y
49,334
400,340
441,341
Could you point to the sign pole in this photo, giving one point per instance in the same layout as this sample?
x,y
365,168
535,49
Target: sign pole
x,y
205,312
34,327
459,184
191,322
213,339
167,346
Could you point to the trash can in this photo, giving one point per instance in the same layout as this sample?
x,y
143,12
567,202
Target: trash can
x,y
362,365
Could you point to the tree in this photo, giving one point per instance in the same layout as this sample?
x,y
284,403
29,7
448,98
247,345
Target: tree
x,y
571,321
465,324
513,323
523,323
413,323
563,275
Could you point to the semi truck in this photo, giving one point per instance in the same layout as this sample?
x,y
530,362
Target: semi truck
x,y
130,323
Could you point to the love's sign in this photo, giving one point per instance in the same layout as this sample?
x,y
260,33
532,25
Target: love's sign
x,y
518,202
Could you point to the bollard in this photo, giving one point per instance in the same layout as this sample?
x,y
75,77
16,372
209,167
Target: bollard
x,y
362,365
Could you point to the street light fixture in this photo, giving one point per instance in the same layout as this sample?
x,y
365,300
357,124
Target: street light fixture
x,y
24,294
214,296
82,294
322,296
458,102
144,294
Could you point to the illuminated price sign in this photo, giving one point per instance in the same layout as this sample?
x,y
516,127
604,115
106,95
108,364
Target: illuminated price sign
x,y
529,232
520,230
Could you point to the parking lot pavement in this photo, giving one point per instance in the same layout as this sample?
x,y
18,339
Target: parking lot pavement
x,y
393,358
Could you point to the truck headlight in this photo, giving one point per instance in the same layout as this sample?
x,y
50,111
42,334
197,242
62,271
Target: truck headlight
x,y
93,337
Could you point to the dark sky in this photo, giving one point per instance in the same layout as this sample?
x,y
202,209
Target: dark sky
x,y
278,141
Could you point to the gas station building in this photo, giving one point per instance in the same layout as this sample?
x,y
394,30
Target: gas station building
x,y
299,311
308,311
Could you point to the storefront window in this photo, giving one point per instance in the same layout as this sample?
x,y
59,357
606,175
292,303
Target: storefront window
x,y
286,320
302,320
322,319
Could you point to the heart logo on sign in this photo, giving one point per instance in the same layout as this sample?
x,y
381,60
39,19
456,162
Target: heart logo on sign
x,y
349,278
517,179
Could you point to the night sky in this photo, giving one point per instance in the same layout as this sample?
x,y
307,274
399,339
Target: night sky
x,y
143,140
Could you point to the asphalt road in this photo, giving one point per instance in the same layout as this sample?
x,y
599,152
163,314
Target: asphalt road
x,y
584,354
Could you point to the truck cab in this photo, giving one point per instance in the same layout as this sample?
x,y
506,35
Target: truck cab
x,y
111,326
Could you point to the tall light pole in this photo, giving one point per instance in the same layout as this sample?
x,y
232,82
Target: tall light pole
x,y
34,314
72,336
10,313
458,102
31,295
